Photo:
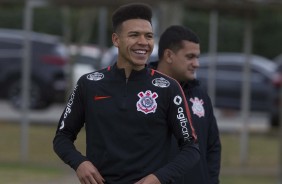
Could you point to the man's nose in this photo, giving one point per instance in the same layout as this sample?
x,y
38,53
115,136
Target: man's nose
x,y
196,63
142,40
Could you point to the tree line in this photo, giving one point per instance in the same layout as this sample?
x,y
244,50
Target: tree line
x,y
267,28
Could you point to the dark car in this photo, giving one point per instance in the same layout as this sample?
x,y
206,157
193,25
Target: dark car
x,y
229,81
278,60
48,81
277,84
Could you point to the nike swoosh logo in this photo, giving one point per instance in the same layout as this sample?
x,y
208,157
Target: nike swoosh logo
x,y
100,97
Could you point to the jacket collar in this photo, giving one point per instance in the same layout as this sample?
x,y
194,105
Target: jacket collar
x,y
120,72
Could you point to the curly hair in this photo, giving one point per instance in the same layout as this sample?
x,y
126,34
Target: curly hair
x,y
131,11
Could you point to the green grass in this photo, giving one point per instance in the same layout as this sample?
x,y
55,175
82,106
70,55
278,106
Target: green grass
x,y
248,179
263,150
17,173
261,166
43,165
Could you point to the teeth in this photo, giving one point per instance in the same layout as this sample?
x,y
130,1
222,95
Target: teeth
x,y
140,52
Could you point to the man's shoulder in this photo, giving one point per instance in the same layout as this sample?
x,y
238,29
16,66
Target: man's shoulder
x,y
163,79
162,75
94,76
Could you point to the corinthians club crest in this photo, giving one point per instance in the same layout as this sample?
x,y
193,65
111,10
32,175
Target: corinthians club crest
x,y
197,107
147,103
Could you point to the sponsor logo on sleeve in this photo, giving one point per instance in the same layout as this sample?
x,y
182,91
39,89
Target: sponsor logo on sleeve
x,y
181,117
161,82
96,76
197,107
147,102
68,107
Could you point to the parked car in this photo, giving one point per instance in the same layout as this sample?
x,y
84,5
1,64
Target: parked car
x,y
48,83
278,61
278,84
87,58
229,81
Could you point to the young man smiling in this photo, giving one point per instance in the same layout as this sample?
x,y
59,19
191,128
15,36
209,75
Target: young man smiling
x,y
128,132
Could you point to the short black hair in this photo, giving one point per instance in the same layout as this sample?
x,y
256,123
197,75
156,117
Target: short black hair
x,y
131,11
173,36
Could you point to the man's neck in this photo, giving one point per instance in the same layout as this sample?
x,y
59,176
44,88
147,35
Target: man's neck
x,y
163,69
128,68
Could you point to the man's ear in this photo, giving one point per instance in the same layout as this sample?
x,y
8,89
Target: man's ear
x,y
168,53
115,39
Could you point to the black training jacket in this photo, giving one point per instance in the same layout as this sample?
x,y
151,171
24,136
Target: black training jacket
x,y
208,169
129,124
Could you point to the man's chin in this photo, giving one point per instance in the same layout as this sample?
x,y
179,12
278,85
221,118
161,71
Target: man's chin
x,y
140,62
190,78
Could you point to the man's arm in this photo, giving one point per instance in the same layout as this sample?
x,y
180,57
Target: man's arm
x,y
213,149
70,123
181,125
186,159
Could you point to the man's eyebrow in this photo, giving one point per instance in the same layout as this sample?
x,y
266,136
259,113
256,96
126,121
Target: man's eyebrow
x,y
192,55
138,32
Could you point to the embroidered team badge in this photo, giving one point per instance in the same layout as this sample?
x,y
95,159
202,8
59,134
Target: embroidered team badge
x,y
197,107
95,76
161,82
147,102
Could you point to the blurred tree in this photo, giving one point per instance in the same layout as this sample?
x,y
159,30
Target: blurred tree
x,y
48,20
267,33
267,27
198,21
231,29
11,17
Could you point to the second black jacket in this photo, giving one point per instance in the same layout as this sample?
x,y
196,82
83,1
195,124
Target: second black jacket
x,y
208,169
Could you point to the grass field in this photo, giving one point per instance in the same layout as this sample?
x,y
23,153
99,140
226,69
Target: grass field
x,y
43,165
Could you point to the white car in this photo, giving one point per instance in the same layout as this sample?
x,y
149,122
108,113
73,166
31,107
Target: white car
x,y
86,60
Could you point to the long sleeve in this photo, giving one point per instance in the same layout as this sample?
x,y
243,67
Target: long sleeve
x,y
186,159
184,132
208,169
71,122
213,150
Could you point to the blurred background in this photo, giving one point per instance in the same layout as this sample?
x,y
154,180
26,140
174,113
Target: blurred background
x,y
46,45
